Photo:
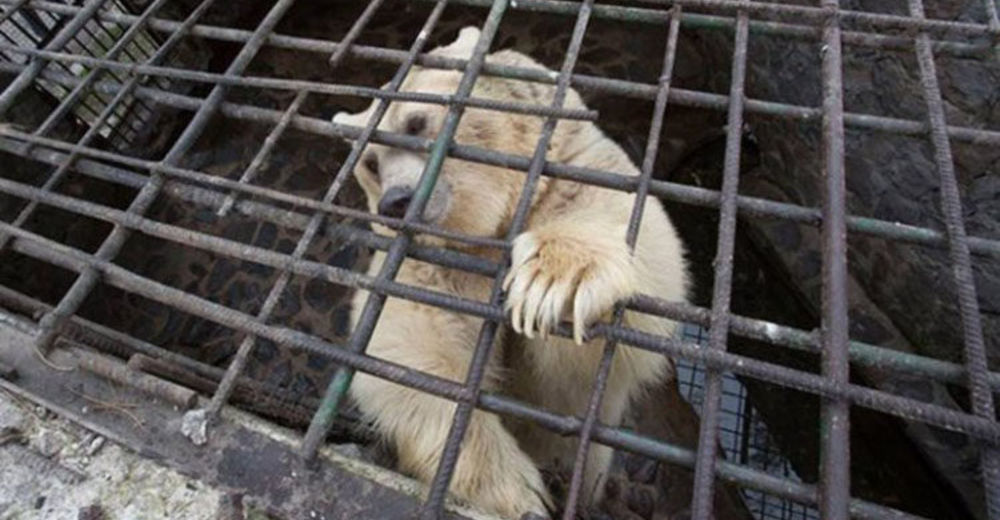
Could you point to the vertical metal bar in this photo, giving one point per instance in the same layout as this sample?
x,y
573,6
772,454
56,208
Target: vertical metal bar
x,y
487,333
396,253
50,323
354,32
704,476
835,456
631,236
28,75
265,151
66,105
958,249
992,17
316,222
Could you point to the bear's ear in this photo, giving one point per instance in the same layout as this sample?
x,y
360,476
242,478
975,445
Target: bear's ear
x,y
462,46
343,118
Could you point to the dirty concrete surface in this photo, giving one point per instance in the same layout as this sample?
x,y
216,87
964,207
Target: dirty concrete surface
x,y
53,469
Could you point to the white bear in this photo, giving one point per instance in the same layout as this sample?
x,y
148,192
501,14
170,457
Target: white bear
x,y
570,263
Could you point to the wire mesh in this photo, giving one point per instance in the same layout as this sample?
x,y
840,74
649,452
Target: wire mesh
x,y
108,66
743,436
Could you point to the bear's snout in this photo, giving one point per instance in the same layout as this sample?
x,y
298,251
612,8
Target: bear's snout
x,y
394,201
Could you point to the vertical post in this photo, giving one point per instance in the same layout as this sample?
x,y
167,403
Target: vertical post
x,y
704,474
396,254
631,237
835,474
958,250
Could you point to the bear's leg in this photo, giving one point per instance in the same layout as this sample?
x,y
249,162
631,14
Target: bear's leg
x,y
492,471
560,379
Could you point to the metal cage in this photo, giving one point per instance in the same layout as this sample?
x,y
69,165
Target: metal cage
x,y
111,88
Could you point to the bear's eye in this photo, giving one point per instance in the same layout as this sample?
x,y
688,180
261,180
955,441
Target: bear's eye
x,y
416,124
371,162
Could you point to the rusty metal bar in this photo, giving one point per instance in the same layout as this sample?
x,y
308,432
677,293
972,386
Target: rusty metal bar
x,y
248,343
397,251
631,236
265,151
71,301
295,85
354,32
835,453
796,30
958,252
672,191
121,373
704,481
860,352
258,395
40,247
487,333
270,404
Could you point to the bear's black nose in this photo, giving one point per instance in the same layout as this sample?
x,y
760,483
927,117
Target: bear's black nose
x,y
395,201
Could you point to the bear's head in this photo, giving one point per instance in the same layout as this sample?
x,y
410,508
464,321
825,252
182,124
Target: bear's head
x,y
469,197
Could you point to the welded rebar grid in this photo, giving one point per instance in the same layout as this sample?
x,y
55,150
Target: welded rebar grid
x,y
826,24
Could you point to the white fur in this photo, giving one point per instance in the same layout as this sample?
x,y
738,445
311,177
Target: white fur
x,y
571,263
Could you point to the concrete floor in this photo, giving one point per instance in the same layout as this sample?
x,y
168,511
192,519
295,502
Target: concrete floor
x,y
51,468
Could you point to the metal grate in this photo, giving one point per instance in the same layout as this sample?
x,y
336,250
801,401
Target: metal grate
x,y
32,29
743,436
110,80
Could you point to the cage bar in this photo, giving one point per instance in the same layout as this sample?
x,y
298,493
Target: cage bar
x,y
631,236
751,206
951,208
117,78
488,331
313,227
835,462
701,506
397,250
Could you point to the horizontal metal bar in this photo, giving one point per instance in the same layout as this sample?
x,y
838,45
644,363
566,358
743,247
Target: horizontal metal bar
x,y
615,437
235,185
298,85
803,14
864,354
258,210
257,395
119,372
807,32
749,206
53,252
599,84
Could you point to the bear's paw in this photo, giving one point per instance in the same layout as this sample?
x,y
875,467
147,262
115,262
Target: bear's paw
x,y
562,277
